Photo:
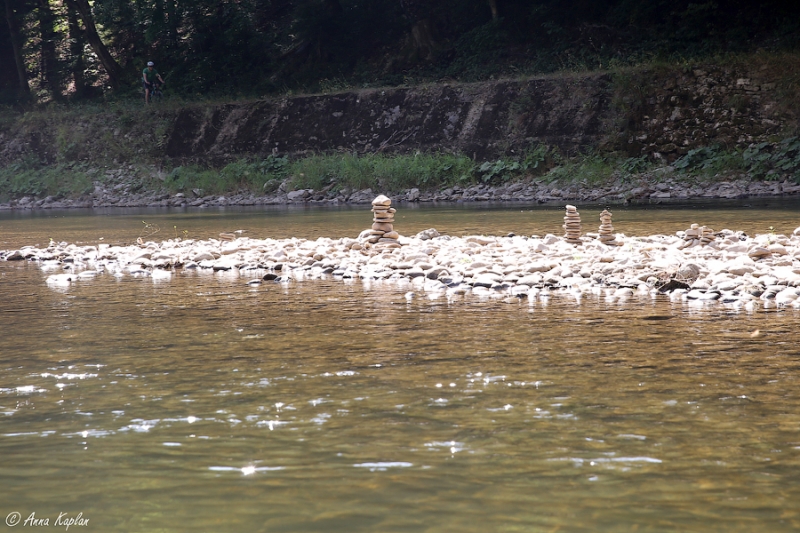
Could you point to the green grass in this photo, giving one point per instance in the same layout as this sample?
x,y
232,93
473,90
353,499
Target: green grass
x,y
255,176
590,170
31,178
389,173
327,172
384,172
397,172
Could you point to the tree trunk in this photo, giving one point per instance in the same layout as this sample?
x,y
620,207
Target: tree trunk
x,y
49,63
76,43
424,42
493,7
422,35
172,24
112,68
16,43
159,14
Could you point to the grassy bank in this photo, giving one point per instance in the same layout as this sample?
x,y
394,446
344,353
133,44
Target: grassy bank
x,y
391,173
129,161
765,161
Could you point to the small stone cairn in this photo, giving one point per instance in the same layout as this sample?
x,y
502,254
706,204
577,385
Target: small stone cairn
x,y
698,235
382,232
606,229
572,225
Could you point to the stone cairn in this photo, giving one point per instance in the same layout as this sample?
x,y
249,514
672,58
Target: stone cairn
x,y
606,232
698,235
382,232
572,225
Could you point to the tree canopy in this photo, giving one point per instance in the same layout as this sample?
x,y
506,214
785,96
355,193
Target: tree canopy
x,y
76,49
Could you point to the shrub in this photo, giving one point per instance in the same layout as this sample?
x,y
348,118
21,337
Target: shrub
x,y
760,161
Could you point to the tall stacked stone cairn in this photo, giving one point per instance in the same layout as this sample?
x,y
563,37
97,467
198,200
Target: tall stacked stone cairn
x,y
572,225
698,235
382,233
606,232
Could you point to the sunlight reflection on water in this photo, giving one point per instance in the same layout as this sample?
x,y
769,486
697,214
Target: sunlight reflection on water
x,y
345,406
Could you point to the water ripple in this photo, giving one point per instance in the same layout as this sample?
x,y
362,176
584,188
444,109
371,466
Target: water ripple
x,y
245,470
452,446
383,466
140,426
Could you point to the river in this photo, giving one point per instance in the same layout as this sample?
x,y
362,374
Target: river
x,y
199,403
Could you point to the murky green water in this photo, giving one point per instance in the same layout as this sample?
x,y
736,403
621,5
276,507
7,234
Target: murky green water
x,y
201,404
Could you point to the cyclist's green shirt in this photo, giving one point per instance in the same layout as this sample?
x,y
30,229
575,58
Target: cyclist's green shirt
x,y
150,75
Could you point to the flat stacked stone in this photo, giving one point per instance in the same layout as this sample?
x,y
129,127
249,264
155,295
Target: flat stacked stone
x,y
606,229
382,231
698,235
572,225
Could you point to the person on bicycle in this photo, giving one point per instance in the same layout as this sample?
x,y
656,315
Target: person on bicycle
x,y
149,76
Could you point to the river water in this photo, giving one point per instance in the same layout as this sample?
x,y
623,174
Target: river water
x,y
202,404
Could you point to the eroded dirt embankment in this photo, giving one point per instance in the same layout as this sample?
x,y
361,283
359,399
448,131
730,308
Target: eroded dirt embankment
x,y
658,112
661,114
481,120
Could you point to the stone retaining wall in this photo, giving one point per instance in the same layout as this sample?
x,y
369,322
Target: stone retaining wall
x,y
672,112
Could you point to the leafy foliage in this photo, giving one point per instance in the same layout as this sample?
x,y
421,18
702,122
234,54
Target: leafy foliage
x,y
699,159
256,47
635,165
764,160
535,158
500,170
771,160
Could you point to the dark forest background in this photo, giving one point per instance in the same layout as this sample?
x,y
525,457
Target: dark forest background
x,y
58,50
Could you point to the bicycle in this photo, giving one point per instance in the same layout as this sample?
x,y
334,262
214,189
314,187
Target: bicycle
x,y
156,94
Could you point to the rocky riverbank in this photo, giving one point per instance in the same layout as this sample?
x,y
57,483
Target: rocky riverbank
x,y
734,123
123,189
699,265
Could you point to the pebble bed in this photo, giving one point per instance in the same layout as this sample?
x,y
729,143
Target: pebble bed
x,y
723,268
